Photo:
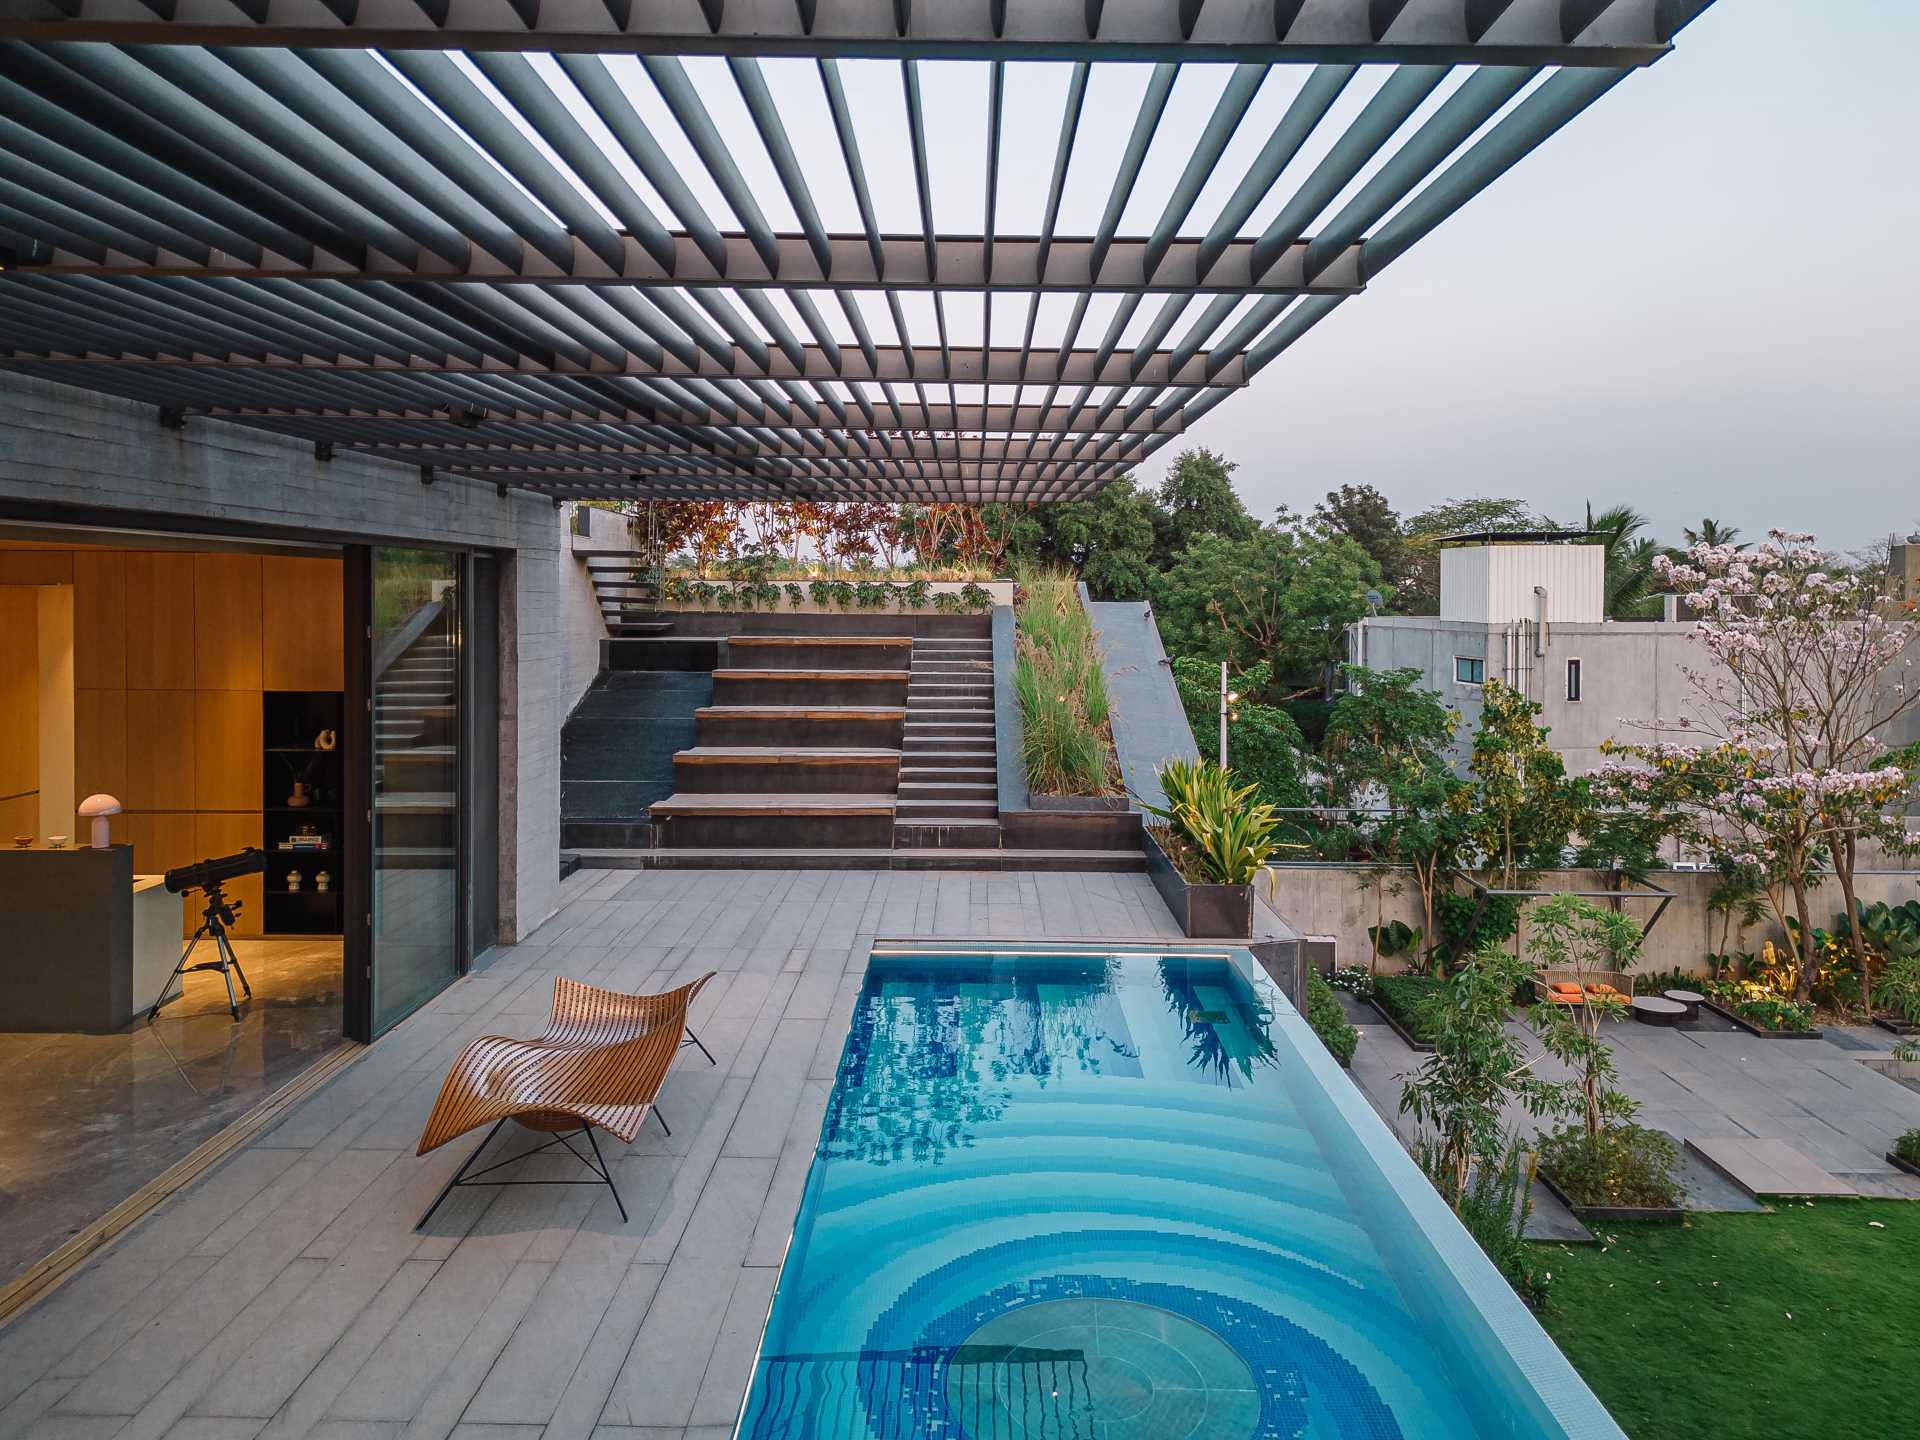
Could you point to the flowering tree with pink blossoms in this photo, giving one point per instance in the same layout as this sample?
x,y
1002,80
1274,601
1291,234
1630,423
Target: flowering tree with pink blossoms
x,y
1784,769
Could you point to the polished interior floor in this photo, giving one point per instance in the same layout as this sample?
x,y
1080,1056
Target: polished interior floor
x,y
85,1120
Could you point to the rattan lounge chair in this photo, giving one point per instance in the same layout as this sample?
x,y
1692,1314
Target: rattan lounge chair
x,y
1572,987
601,1061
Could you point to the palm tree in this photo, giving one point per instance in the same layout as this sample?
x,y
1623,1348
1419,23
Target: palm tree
x,y
1629,562
1711,532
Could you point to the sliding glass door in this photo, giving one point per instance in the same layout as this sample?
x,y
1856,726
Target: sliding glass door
x,y
417,726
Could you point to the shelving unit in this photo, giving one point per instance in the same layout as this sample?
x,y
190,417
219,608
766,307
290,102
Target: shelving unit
x,y
291,721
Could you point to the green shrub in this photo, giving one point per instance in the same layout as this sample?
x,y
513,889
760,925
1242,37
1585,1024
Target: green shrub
x,y
1217,817
1494,1208
947,602
1461,934
916,593
1907,1147
796,594
1311,717
1898,988
1628,1165
1659,982
975,597
1062,690
1354,979
1329,1021
1410,999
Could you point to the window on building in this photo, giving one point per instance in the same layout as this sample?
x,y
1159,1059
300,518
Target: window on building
x,y
1573,679
1469,670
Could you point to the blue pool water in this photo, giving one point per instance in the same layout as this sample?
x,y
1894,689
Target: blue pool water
x,y
1113,1197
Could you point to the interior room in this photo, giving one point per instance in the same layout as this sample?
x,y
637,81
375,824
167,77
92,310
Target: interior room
x,y
163,700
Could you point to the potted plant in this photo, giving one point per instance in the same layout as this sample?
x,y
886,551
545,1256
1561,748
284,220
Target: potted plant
x,y
1210,844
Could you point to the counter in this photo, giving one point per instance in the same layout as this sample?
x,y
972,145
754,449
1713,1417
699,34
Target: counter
x,y
85,944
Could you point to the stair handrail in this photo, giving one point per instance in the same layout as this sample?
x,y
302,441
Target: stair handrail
x,y
410,630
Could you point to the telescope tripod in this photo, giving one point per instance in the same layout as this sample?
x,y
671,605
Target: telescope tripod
x,y
218,916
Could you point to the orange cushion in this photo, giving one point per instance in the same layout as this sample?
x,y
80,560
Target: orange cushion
x,y
1601,989
1565,987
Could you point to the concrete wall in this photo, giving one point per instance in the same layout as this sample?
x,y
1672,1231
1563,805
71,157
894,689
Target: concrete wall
x,y
588,528
1340,901
62,446
1149,722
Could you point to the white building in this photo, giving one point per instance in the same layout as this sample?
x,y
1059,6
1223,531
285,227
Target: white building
x,y
1530,610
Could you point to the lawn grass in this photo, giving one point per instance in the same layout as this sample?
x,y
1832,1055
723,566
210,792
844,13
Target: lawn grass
x,y
1803,1323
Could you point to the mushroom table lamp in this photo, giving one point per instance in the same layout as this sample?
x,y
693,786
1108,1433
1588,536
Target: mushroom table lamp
x,y
97,808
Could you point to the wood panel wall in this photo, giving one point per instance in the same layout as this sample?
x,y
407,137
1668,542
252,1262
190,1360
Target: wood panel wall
x,y
172,650
19,712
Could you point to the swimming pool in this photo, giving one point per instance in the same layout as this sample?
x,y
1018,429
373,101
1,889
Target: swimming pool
x,y
1127,1196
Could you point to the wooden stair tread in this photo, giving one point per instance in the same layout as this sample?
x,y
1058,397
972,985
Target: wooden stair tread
x,y
773,755
830,676
891,642
773,804
801,712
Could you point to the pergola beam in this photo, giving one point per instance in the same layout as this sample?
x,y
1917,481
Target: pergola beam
x,y
958,262
1606,33
961,366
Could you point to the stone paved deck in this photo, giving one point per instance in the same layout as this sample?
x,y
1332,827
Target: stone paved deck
x,y
285,1295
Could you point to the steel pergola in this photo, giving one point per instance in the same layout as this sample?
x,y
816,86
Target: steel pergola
x,y
704,248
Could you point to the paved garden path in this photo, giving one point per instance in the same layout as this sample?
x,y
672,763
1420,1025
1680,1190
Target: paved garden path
x,y
285,1295
1815,1095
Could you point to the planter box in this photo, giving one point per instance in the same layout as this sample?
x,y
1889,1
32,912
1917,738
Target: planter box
x,y
1000,590
1079,804
1394,1025
1898,1027
1205,912
1615,1214
1899,1164
1904,1071
1758,1031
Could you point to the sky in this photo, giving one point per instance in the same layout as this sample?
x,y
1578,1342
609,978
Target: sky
x,y
1700,298
1697,299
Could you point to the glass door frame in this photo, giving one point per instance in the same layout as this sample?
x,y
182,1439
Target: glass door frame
x,y
360,959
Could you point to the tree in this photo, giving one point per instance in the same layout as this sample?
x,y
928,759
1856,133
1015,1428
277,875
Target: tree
x,y
1524,807
1419,591
1478,1068
1711,532
1108,540
1362,514
1789,771
1196,499
1273,597
1263,743
1629,562
1569,934
1385,755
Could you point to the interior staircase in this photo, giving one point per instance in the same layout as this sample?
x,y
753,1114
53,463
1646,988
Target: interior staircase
x,y
414,755
628,596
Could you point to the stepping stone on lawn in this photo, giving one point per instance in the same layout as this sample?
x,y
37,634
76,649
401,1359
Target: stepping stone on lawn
x,y
1767,1167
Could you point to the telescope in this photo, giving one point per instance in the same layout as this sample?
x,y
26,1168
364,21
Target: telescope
x,y
210,876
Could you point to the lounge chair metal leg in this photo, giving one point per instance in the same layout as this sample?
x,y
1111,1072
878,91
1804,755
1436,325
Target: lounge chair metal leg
x,y
694,1039
606,1174
662,1119
447,1189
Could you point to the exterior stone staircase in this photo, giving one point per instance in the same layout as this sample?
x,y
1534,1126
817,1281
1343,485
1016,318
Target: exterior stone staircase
x,y
948,786
628,596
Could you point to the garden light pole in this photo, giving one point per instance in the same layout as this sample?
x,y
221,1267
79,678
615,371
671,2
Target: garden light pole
x,y
1227,698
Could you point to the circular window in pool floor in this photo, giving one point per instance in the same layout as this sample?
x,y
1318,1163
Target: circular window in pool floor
x,y
1116,1369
